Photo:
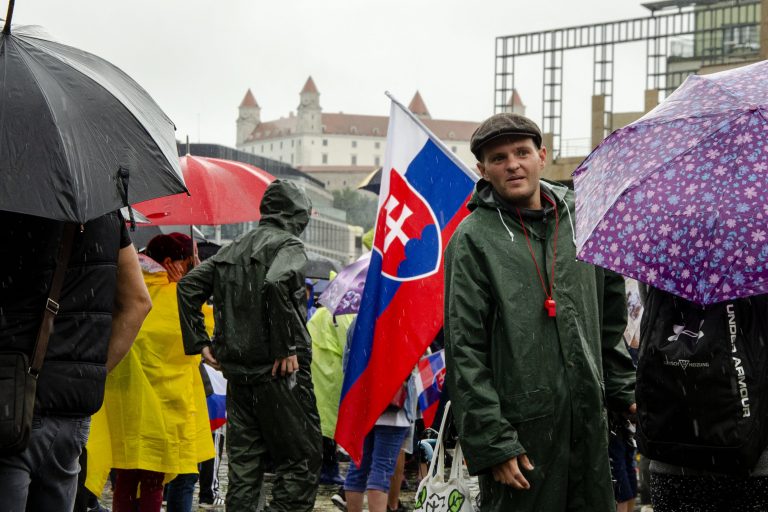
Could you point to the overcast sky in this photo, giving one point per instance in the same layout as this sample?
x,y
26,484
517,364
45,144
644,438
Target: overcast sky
x,y
198,58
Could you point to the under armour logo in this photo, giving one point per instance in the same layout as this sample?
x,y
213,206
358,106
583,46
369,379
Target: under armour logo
x,y
679,330
395,226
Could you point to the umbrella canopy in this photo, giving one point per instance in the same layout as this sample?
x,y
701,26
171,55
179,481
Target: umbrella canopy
x,y
147,232
78,137
372,182
679,199
320,267
343,295
221,192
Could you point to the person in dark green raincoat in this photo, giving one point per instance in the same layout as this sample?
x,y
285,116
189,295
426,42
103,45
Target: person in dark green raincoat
x,y
261,343
533,357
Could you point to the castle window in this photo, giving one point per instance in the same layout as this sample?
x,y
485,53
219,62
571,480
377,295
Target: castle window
x,y
376,132
271,146
325,158
453,148
353,129
281,144
325,142
377,161
354,143
354,160
376,145
451,135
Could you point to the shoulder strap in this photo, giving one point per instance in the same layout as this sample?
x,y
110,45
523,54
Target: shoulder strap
x,y
437,465
52,303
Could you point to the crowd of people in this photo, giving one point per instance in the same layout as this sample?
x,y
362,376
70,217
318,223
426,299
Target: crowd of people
x,y
547,380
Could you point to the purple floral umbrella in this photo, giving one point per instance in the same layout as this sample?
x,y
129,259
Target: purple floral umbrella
x,y
343,295
679,199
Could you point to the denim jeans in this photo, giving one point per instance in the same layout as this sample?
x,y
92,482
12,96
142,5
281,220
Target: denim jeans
x,y
380,451
180,492
44,476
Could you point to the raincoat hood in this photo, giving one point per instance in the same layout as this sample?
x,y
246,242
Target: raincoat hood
x,y
483,195
286,206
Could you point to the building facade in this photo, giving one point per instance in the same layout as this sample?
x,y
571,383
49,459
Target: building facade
x,y
336,148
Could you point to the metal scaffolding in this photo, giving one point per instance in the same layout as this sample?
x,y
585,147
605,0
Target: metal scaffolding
x,y
678,43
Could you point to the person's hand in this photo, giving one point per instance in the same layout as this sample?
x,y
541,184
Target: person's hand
x,y
631,413
509,472
175,270
286,366
209,359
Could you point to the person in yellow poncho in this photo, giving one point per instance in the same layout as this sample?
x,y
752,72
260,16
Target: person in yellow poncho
x,y
329,335
154,422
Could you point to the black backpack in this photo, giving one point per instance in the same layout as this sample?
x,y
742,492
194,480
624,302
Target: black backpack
x,y
701,382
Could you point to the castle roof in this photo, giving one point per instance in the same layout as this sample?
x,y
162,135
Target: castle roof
x,y
417,105
515,100
249,100
361,125
310,87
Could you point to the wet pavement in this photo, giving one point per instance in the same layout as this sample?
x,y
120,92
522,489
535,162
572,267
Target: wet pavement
x,y
323,502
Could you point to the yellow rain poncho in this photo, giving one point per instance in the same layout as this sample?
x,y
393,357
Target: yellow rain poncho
x,y
154,415
328,340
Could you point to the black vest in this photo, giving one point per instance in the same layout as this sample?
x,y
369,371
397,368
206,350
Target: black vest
x,y
72,379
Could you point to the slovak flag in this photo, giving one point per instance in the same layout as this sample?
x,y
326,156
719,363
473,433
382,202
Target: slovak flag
x,y
217,402
424,192
429,385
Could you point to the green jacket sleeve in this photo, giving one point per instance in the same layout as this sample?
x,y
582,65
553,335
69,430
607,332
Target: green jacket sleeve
x,y
618,370
487,438
285,295
193,290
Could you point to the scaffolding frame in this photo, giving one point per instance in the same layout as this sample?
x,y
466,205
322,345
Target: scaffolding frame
x,y
705,25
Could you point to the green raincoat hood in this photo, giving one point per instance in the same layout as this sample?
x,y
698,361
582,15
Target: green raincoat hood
x,y
285,206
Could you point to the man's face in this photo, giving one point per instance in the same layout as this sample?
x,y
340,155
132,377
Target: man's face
x,y
513,167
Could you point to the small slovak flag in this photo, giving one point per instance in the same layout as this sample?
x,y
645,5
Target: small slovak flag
x,y
429,385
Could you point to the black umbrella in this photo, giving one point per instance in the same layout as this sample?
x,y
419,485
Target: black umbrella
x,y
78,137
320,267
372,182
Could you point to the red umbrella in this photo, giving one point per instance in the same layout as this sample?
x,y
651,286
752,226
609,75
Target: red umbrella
x,y
221,192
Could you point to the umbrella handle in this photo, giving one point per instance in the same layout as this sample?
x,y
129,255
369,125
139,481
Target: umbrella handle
x,y
123,175
8,17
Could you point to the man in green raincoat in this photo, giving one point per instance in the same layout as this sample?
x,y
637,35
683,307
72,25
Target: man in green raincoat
x,y
261,343
534,348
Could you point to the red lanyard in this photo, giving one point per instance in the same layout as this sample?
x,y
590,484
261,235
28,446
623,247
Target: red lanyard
x,y
549,303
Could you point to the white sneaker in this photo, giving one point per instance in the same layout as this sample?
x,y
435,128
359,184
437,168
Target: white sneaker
x,y
340,502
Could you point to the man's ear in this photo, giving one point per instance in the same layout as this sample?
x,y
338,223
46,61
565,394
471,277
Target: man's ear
x,y
481,169
167,262
543,154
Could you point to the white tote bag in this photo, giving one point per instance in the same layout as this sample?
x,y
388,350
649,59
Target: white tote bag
x,y
435,493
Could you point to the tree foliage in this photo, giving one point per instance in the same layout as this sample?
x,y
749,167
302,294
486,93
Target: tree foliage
x,y
359,205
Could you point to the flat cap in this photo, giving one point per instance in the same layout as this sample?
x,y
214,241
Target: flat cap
x,y
499,125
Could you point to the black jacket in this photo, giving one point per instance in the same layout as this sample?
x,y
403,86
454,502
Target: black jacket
x,y
71,382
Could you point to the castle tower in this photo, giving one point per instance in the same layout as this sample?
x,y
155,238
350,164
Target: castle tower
x,y
515,104
309,112
249,117
418,107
